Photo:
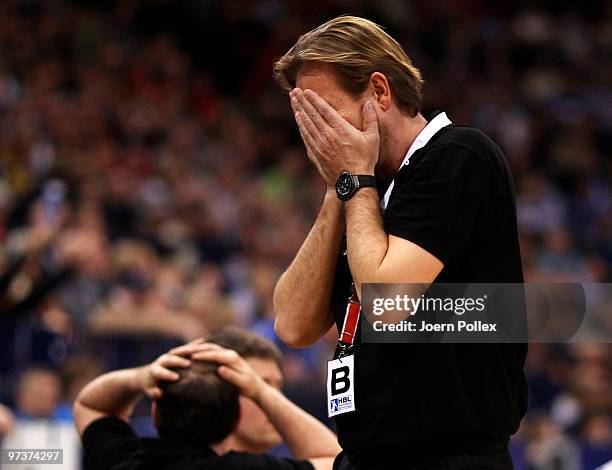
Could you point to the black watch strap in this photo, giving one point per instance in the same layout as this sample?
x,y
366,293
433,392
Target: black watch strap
x,y
365,181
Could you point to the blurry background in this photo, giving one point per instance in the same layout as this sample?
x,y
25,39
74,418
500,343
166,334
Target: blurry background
x,y
154,186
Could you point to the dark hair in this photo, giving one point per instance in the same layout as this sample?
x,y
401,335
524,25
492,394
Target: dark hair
x,y
200,407
246,344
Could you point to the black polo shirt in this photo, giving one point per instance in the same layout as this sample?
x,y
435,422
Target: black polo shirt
x,y
110,444
416,402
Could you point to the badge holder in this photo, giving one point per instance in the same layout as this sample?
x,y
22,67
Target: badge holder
x,y
341,370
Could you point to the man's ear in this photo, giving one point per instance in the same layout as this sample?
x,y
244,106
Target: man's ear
x,y
381,90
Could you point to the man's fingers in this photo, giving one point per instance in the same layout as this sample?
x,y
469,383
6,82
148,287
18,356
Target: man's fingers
x,y
307,136
160,373
308,141
217,355
330,115
184,350
310,150
206,347
307,129
189,348
222,356
305,122
231,375
309,109
170,360
370,119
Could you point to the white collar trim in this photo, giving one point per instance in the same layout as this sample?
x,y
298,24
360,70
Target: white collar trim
x,y
432,127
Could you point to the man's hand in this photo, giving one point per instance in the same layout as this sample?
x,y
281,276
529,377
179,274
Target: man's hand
x,y
233,368
151,375
332,143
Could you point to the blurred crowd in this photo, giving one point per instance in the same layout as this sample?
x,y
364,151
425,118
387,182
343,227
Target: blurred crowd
x,y
153,185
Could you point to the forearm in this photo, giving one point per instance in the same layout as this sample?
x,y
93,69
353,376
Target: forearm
x,y
303,293
306,436
367,242
112,394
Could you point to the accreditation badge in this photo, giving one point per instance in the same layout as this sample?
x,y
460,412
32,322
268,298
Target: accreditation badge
x,y
341,370
340,385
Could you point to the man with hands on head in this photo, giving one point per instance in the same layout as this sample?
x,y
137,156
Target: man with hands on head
x,y
254,431
408,200
195,392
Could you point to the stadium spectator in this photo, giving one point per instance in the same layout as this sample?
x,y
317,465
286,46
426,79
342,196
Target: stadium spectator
x,y
39,420
254,432
597,440
550,448
195,390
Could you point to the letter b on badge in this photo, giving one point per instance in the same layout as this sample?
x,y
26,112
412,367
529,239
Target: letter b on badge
x,y
340,381
340,386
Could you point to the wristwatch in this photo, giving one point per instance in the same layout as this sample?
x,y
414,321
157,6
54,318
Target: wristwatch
x,y
348,184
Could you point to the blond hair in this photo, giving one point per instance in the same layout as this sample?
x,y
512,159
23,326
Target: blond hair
x,y
355,48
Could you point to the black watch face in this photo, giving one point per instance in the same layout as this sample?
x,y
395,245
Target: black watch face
x,y
344,186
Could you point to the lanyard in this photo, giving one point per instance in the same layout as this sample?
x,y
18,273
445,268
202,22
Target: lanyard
x,y
349,328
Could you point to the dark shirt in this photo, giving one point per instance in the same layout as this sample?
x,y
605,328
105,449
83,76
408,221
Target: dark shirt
x,y
111,444
456,200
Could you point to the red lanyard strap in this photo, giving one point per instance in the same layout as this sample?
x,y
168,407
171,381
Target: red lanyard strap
x,y
351,318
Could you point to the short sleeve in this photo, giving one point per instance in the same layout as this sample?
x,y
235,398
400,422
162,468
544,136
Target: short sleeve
x,y
436,202
240,460
108,442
